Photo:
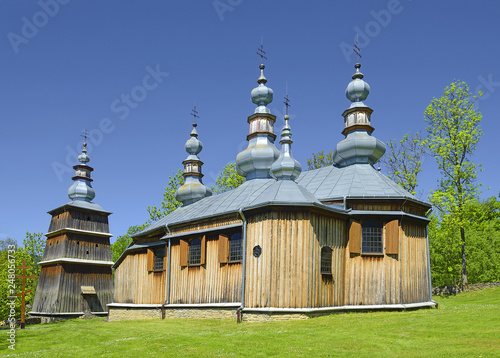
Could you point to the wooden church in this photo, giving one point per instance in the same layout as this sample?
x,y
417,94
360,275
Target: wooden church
x,y
76,275
285,244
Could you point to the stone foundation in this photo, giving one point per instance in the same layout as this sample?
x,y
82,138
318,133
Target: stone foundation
x,y
268,317
453,290
133,313
201,313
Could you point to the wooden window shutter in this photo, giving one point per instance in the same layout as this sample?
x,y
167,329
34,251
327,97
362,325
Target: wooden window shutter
x,y
203,250
165,258
392,237
150,259
184,250
355,237
223,249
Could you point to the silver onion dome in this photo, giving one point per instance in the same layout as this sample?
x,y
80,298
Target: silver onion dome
x,y
262,95
193,189
286,167
82,187
357,90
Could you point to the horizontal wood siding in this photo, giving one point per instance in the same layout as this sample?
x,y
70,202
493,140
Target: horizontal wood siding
x,y
59,288
134,284
213,282
207,224
287,274
77,246
414,264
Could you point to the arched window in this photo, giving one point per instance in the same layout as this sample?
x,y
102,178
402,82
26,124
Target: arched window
x,y
235,247
372,238
326,260
194,252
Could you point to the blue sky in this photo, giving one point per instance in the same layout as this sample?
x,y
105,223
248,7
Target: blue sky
x,y
130,72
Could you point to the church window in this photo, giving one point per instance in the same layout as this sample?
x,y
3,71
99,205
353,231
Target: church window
x,y
326,260
194,252
372,238
159,254
235,247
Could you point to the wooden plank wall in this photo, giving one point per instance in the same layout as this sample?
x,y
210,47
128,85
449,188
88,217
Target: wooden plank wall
x,y
59,287
287,274
80,220
134,284
212,282
77,246
414,264
390,279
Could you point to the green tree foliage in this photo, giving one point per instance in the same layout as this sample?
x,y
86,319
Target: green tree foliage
x,y
228,179
453,133
403,161
123,241
31,253
482,250
320,160
168,203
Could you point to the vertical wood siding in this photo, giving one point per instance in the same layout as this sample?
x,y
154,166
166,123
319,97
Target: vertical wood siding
x,y
414,264
59,288
134,284
390,278
77,246
80,220
213,282
287,274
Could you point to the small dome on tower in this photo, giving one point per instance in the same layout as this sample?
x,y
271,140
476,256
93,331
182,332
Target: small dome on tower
x,y
357,90
262,95
193,144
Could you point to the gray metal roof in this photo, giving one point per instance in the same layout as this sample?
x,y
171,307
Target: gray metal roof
x,y
251,194
82,204
353,181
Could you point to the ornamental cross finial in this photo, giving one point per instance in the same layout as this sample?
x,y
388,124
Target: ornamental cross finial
x,y
357,50
85,135
195,115
261,53
287,104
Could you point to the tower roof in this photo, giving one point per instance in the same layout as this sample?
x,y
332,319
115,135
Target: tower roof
x,y
193,189
82,188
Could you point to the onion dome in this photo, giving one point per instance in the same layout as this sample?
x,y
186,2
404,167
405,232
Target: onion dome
x,y
82,188
256,160
193,189
359,146
262,95
357,90
286,167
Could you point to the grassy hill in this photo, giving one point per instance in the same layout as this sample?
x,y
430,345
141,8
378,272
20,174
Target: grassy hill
x,y
466,325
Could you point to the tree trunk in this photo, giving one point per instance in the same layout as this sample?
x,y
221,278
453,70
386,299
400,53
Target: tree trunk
x,y
465,283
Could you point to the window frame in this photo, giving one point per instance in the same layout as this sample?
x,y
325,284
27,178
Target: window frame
x,y
190,252
372,237
157,258
326,254
231,247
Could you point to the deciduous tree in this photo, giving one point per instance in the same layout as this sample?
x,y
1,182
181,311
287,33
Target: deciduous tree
x,y
320,160
228,179
403,160
453,132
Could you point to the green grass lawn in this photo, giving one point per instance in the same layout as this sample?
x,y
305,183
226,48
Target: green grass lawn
x,y
466,325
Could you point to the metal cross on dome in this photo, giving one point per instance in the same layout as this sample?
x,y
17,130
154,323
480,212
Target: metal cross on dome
x,y
195,115
85,135
287,104
357,50
261,53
